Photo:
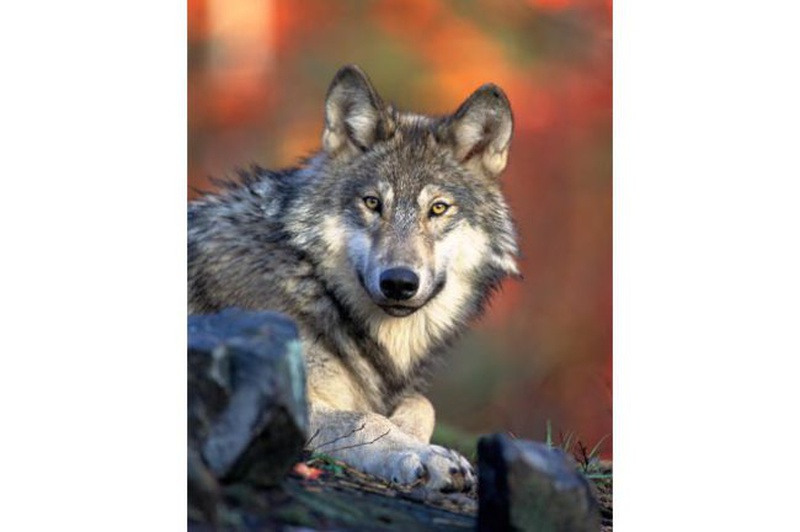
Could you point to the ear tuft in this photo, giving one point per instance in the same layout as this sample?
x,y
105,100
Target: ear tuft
x,y
480,130
355,116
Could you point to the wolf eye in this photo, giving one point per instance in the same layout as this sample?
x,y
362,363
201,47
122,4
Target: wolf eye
x,y
439,208
372,203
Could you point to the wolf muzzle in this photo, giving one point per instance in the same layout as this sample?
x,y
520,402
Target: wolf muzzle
x,y
396,291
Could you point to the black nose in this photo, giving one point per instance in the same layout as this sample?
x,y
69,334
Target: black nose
x,y
399,283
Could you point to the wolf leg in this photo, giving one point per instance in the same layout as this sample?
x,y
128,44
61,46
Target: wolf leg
x,y
415,416
375,445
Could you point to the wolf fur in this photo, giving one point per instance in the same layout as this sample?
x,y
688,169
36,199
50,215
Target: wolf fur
x,y
382,247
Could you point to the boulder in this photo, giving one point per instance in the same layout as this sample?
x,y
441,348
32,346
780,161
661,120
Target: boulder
x,y
248,417
526,485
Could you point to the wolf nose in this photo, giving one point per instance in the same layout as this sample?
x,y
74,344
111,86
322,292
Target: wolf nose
x,y
399,283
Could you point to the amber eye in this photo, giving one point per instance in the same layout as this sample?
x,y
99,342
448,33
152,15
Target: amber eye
x,y
439,208
372,203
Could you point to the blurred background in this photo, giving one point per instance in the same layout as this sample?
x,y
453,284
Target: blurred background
x,y
258,73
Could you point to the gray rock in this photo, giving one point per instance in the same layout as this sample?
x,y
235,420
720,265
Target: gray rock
x,y
205,496
248,418
525,485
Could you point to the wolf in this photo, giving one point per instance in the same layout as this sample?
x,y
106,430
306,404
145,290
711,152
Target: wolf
x,y
383,246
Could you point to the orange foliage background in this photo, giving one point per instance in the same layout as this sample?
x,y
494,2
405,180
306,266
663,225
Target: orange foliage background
x,y
258,72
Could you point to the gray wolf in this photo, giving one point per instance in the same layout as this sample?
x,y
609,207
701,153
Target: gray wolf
x,y
382,246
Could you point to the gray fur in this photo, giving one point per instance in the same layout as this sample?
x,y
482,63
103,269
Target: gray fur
x,y
302,242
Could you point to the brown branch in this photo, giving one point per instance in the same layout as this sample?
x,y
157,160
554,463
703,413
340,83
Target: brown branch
x,y
340,437
360,444
308,441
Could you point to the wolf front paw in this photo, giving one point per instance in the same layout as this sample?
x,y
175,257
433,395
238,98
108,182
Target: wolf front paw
x,y
436,467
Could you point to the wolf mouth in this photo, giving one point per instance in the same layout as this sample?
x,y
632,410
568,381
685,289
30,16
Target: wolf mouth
x,y
401,311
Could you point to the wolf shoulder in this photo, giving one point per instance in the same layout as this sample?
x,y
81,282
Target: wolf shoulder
x,y
239,245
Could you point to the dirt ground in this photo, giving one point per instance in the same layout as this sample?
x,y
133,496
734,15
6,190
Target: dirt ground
x,y
323,494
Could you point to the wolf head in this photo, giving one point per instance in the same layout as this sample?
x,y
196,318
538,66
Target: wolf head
x,y
420,220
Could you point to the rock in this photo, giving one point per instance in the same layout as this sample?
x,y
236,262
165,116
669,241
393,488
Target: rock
x,y
248,418
525,485
204,492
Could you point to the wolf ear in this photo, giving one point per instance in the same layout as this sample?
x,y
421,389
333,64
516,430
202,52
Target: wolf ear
x,y
355,116
480,130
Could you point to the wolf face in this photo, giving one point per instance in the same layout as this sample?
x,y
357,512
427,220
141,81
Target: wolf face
x,y
418,195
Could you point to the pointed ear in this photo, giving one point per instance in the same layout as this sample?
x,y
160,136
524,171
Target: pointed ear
x,y
480,130
355,116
